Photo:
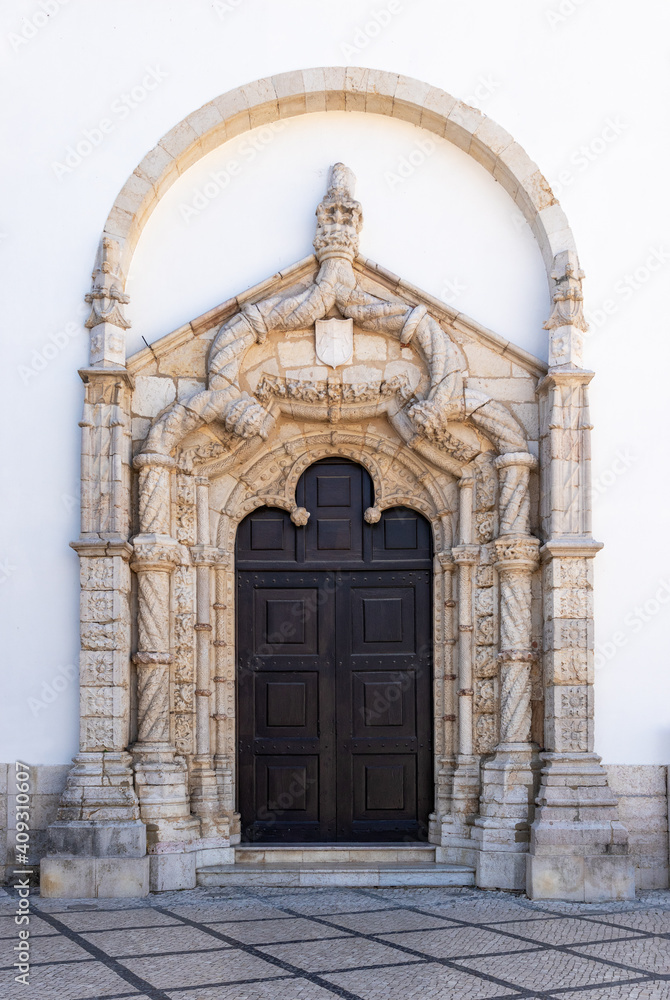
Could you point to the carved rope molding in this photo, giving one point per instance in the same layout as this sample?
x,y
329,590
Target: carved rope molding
x,y
336,286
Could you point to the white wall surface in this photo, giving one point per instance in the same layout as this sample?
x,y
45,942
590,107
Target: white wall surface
x,y
583,86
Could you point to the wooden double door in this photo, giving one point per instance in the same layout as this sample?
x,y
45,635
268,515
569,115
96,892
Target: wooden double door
x,y
334,667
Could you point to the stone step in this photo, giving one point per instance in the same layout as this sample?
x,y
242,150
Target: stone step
x,y
342,853
337,874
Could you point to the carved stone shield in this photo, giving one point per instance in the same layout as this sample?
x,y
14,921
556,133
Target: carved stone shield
x,y
334,341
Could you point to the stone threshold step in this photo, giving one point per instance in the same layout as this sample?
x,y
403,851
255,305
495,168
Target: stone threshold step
x,y
333,853
303,875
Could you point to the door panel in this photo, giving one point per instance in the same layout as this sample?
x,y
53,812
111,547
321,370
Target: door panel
x,y
286,706
334,667
384,704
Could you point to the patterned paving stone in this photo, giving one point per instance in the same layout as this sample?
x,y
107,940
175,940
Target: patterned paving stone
x,y
653,921
385,921
38,928
324,901
154,940
563,930
423,982
179,971
650,954
642,991
113,919
347,953
276,989
460,942
276,930
85,981
311,944
541,970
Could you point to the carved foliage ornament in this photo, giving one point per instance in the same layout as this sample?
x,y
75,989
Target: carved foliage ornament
x,y
339,220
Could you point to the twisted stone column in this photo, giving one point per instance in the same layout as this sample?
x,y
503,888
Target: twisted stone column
x,y
160,775
509,778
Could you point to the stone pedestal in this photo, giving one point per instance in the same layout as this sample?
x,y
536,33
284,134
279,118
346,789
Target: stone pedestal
x,y
579,849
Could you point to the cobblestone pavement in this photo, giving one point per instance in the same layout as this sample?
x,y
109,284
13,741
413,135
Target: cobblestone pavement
x,y
358,944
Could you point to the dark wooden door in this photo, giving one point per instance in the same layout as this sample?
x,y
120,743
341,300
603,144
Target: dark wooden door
x,y
334,667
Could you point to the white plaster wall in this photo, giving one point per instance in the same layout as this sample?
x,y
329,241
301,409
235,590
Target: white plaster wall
x,y
582,85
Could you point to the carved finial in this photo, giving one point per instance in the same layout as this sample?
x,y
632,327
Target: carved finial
x,y
567,321
339,217
106,296
372,515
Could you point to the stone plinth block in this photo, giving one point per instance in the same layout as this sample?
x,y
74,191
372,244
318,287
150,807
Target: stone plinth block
x,y
580,879
91,878
80,838
172,871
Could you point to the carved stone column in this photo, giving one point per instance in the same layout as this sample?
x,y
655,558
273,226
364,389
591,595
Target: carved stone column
x,y
444,690
97,846
205,798
509,777
224,681
160,775
578,848
457,846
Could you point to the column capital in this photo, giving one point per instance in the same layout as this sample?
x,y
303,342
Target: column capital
x,y
466,555
99,547
446,561
517,552
564,376
556,548
209,555
156,552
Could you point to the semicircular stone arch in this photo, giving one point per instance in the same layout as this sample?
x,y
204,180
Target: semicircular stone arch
x,y
338,89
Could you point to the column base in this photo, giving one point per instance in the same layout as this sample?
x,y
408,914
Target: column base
x,y
502,829
206,800
162,790
578,848
94,878
457,846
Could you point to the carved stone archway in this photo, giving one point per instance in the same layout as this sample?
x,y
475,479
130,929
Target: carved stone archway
x,y
148,796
